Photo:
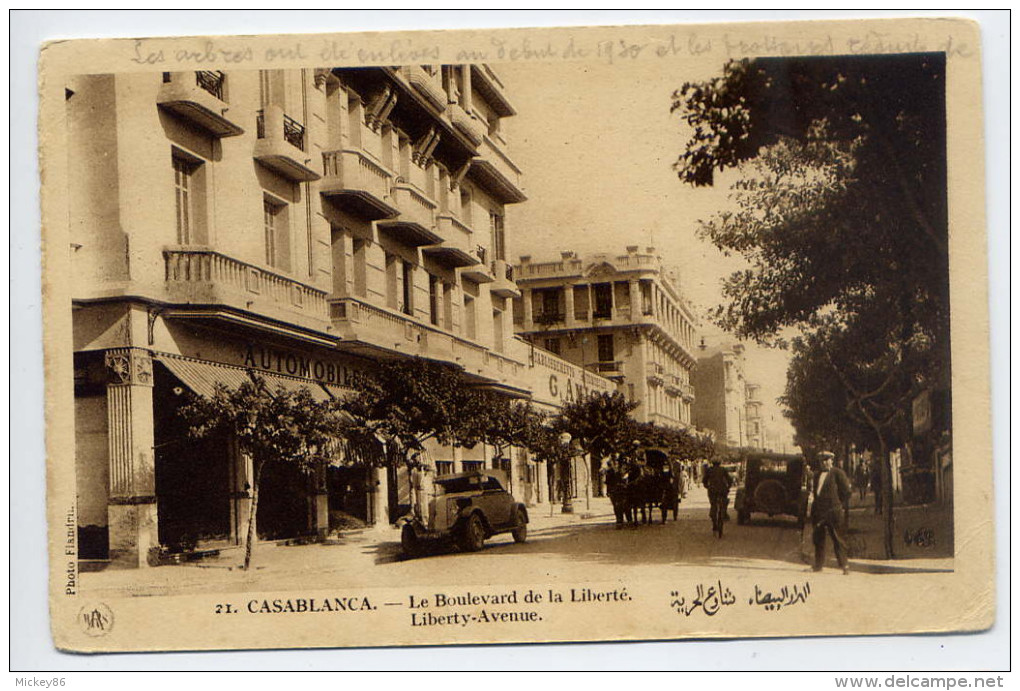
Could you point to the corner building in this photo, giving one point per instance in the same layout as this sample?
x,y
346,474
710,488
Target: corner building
x,y
300,224
620,316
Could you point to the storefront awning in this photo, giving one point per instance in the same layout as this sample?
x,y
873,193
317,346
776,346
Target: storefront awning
x,y
275,381
202,377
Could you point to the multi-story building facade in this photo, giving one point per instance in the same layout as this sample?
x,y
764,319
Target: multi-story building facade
x,y
728,404
754,416
621,316
302,224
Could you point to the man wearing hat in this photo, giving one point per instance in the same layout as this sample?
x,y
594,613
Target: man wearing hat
x,y
832,491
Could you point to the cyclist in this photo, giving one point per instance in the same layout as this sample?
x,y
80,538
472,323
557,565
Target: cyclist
x,y
718,482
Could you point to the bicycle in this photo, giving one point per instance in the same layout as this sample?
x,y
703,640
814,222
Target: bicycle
x,y
717,511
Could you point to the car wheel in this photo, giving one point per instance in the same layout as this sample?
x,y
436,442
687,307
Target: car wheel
x,y
410,542
473,534
520,533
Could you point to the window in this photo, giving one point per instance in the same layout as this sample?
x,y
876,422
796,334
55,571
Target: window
x,y
552,345
189,198
183,196
497,330
498,235
606,350
277,234
469,316
603,300
550,302
408,288
472,465
435,299
360,248
465,206
444,468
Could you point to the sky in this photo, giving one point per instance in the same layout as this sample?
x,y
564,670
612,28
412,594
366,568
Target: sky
x,y
596,144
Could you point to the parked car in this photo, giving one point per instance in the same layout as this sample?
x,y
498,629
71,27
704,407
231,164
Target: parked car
x,y
468,509
774,485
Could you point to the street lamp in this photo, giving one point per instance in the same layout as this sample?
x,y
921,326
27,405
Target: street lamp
x,y
568,501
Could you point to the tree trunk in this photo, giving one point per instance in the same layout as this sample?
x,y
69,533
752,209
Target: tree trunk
x,y
252,512
887,496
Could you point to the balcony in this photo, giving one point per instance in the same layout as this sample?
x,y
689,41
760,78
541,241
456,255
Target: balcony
x,y
479,273
206,277
367,329
549,318
490,86
426,85
687,392
415,225
454,248
607,367
494,170
282,144
656,374
351,178
503,280
198,97
467,124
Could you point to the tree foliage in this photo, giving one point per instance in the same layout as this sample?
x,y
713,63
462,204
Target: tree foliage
x,y
407,402
599,422
840,212
841,202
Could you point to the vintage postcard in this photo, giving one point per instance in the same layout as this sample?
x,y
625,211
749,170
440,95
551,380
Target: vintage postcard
x,y
518,335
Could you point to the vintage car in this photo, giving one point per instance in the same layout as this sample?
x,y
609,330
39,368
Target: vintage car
x,y
773,485
467,509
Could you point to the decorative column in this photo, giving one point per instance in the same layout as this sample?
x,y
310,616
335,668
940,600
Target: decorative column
x,y
131,510
568,302
529,320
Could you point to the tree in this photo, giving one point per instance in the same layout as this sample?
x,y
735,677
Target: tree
x,y
405,403
678,443
600,423
841,213
270,427
507,422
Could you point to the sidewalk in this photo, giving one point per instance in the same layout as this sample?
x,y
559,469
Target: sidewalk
x,y
922,538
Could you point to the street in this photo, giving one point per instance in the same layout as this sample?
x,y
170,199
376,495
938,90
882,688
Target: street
x,y
582,547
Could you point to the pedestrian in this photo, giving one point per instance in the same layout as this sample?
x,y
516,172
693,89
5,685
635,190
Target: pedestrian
x,y
831,493
718,482
861,479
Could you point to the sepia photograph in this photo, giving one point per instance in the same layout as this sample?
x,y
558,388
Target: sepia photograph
x,y
632,333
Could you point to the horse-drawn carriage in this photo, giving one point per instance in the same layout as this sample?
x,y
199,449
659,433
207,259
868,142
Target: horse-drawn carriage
x,y
640,484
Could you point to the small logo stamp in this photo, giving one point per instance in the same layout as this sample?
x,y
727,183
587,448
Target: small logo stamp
x,y
95,619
